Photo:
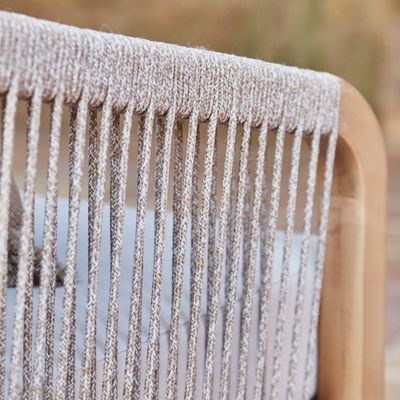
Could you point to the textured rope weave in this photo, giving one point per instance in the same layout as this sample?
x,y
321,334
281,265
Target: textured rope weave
x,y
187,136
24,266
5,183
67,322
179,253
133,356
46,294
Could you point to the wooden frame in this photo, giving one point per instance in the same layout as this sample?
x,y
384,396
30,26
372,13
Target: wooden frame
x,y
351,330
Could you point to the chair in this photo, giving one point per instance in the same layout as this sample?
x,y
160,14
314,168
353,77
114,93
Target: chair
x,y
202,263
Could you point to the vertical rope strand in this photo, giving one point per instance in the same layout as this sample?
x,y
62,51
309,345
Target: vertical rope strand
x,y
266,269
195,206
194,219
47,276
24,269
285,269
231,216
27,324
229,250
3,103
133,353
199,267
70,387
32,268
220,244
88,373
5,186
232,279
176,209
27,342
26,336
180,249
119,174
246,316
68,329
93,156
322,231
92,169
304,253
247,213
164,138
212,229
249,259
211,245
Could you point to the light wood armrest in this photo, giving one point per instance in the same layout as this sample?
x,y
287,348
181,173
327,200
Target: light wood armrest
x,y
351,331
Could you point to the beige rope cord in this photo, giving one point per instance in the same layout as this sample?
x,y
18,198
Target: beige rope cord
x,y
206,297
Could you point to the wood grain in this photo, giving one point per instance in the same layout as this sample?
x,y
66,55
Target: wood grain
x,y
351,331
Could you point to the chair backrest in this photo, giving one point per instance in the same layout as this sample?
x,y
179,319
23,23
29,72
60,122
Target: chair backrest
x,y
236,150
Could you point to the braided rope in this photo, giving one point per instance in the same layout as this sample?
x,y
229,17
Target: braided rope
x,y
67,317
282,305
47,277
179,254
119,171
24,278
232,225
164,137
133,354
304,255
323,229
5,186
198,268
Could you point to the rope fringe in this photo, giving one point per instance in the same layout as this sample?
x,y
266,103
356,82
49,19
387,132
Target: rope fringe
x,y
215,290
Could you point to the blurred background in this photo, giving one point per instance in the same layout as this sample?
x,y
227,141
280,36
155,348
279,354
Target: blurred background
x,y
358,40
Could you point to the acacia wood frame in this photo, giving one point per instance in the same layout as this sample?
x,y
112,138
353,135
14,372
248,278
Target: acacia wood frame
x,y
351,326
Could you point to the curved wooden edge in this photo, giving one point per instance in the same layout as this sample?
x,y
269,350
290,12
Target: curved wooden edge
x,y
351,331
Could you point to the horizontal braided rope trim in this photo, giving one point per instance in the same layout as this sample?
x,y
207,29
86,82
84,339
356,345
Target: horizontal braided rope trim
x,y
63,58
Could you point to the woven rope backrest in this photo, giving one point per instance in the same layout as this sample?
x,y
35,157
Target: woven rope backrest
x,y
204,127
